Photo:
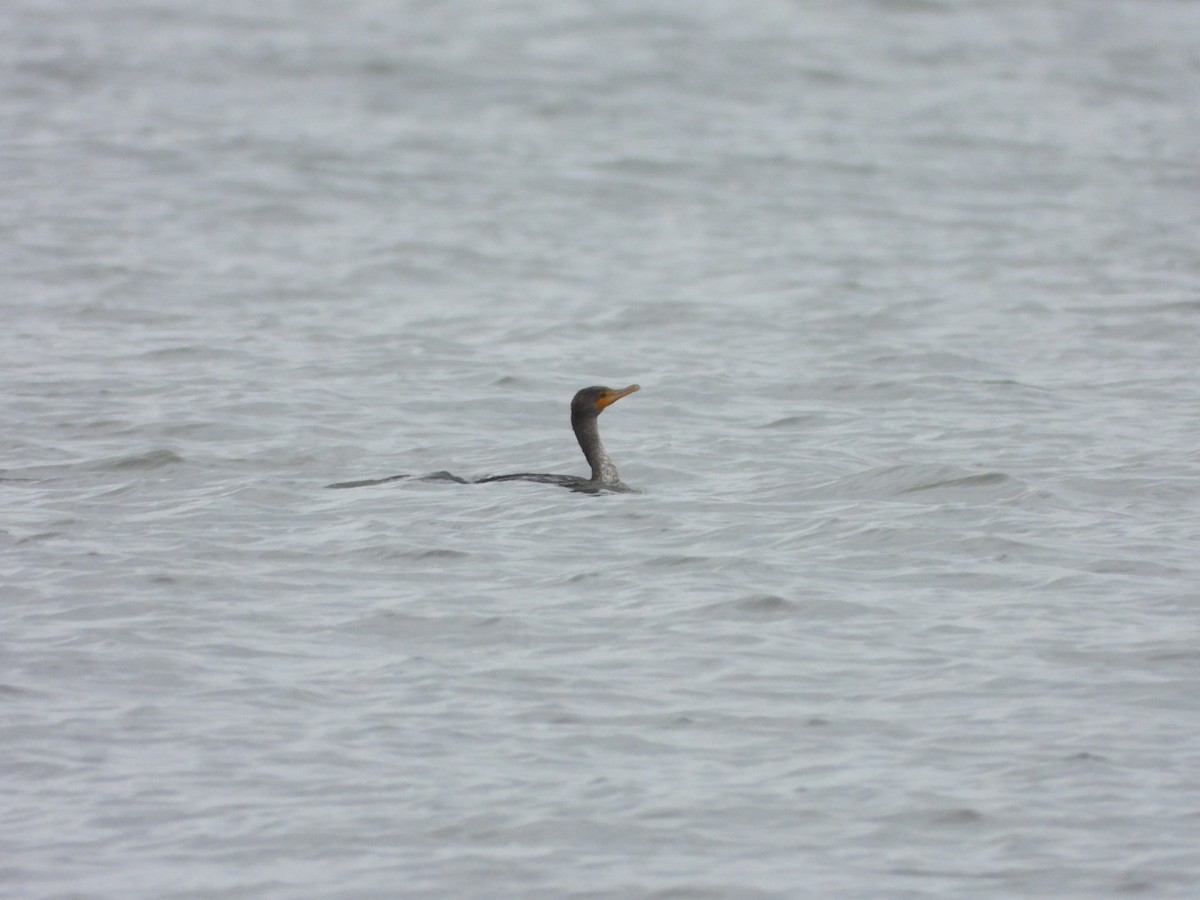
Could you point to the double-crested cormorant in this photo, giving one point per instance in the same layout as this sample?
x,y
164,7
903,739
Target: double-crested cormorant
x,y
586,407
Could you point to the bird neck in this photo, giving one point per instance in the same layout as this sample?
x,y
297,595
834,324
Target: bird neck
x,y
588,434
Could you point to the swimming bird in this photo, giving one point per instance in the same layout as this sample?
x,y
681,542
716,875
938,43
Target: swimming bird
x,y
586,407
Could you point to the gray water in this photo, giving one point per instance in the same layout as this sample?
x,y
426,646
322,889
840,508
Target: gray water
x,y
905,605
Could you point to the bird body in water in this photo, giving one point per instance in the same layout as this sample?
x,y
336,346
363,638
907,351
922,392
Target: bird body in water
x,y
586,407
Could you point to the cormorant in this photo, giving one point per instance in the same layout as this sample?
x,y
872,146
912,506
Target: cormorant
x,y
586,407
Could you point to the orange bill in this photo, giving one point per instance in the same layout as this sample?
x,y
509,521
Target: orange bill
x,y
611,397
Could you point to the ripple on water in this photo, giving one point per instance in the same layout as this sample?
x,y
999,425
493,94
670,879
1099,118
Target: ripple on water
x,y
907,606
772,606
916,479
987,479
154,459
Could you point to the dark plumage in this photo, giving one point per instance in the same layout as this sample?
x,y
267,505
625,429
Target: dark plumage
x,y
586,407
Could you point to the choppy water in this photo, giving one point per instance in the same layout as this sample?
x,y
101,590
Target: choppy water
x,y
906,605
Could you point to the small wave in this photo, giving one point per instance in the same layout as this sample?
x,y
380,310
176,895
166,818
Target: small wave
x,y
41,536
913,479
443,553
155,459
673,560
366,482
1085,757
772,606
987,479
956,817
789,422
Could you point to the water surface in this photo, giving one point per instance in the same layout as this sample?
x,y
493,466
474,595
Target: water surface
x,y
905,603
